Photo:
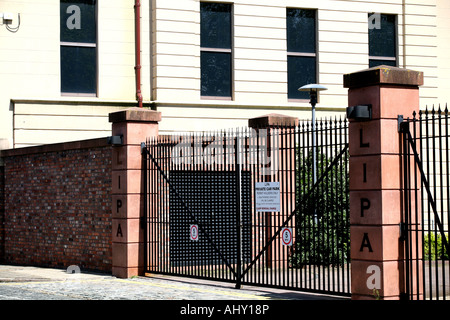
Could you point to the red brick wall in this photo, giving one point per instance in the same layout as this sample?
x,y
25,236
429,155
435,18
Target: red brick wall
x,y
2,212
58,205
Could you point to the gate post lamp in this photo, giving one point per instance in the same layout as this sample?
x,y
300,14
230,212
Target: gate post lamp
x,y
313,89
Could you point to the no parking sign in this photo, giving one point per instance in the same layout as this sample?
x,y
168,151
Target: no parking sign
x,y
286,236
193,232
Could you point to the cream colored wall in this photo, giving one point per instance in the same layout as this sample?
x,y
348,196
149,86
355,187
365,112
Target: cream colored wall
x,y
259,52
30,71
443,40
29,63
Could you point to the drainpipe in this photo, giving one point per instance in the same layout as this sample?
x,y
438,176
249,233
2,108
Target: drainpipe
x,y
137,8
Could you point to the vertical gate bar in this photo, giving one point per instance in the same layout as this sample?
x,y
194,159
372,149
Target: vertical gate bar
x,y
282,171
439,142
329,217
291,202
160,216
306,214
252,219
164,221
157,185
296,188
341,222
280,149
260,266
441,187
412,227
154,209
335,190
405,201
238,208
433,130
205,267
279,176
145,196
447,173
424,136
347,217
339,216
231,164
299,187
321,197
416,213
158,202
268,225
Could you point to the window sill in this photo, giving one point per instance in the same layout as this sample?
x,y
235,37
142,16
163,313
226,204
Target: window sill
x,y
216,98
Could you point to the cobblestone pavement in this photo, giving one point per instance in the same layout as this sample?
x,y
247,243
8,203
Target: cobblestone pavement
x,y
30,283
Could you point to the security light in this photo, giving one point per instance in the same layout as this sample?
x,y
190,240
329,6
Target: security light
x,y
313,89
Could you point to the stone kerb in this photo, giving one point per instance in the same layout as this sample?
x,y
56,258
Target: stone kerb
x,y
134,126
375,178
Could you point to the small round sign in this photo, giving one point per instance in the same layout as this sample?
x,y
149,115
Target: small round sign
x,y
193,231
286,236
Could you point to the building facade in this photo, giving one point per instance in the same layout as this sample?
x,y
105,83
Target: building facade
x,y
65,65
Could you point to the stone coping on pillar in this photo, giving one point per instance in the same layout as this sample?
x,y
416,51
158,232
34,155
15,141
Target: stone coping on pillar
x,y
135,115
383,75
273,120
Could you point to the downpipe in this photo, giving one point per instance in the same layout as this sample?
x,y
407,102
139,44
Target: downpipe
x,y
137,68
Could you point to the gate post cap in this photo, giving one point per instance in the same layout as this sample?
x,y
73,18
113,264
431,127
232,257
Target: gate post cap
x,y
273,120
135,115
383,75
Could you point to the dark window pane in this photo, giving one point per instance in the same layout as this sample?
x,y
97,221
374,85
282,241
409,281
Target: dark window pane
x,y
78,70
215,25
301,71
78,21
382,36
301,30
216,74
377,62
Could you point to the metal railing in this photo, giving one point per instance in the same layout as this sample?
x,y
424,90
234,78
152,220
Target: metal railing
x,y
426,193
241,206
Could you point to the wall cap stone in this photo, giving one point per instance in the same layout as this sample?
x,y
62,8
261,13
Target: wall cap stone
x,y
273,120
135,115
56,147
383,75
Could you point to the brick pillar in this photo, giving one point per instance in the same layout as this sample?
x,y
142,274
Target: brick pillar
x,y
281,150
375,178
134,126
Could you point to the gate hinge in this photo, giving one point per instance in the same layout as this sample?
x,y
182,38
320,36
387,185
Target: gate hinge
x,y
399,122
143,148
403,231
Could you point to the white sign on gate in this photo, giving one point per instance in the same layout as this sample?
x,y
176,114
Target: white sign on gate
x,y
286,236
193,232
267,196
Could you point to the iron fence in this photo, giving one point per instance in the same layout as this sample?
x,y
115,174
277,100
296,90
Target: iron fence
x,y
426,186
243,206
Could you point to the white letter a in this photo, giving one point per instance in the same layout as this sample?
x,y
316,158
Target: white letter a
x,y
374,280
74,21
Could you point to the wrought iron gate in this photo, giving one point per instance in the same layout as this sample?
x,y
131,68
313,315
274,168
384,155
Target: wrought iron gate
x,y
426,198
243,206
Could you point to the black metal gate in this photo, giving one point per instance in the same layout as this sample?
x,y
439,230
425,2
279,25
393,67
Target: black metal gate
x,y
426,198
245,206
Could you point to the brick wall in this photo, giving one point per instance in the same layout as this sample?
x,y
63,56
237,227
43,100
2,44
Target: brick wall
x,y
58,205
2,212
